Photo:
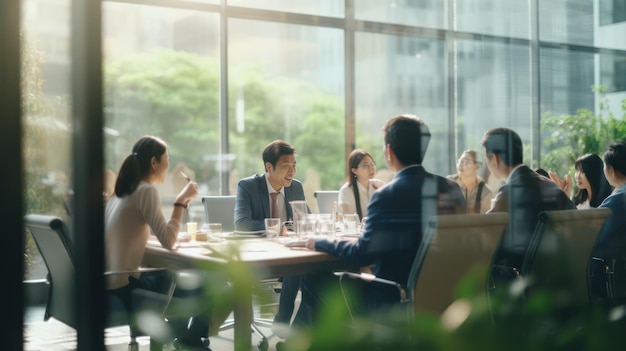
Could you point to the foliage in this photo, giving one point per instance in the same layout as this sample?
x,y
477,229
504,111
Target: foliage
x,y
175,95
568,137
44,190
166,93
540,322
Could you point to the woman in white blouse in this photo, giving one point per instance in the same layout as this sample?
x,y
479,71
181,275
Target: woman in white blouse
x,y
592,185
355,194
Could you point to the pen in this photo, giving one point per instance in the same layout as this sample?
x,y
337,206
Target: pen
x,y
186,176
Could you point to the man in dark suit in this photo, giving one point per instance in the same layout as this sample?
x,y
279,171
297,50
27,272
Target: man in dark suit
x,y
255,198
397,214
523,195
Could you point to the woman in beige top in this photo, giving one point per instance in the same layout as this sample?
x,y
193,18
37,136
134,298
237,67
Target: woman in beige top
x,y
133,213
477,193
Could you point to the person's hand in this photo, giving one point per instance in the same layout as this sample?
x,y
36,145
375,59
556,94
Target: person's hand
x,y
310,243
189,192
567,187
565,184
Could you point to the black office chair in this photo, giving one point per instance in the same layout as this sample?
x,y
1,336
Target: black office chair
x,y
52,240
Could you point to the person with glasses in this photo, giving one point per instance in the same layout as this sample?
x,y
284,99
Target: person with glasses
x,y
477,194
355,194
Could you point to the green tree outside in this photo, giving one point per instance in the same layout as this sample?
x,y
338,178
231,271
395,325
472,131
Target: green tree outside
x,y
568,137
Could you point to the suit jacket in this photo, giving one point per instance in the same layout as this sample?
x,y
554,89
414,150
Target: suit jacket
x,y
523,196
612,238
397,215
252,204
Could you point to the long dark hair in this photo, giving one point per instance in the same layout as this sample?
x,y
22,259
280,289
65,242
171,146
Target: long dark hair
x,y
355,158
137,165
591,165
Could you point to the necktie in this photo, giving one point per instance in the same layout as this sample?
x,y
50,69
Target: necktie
x,y
275,213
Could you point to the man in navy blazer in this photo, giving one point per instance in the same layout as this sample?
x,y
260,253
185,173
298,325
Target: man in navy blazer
x,y
397,215
524,194
254,203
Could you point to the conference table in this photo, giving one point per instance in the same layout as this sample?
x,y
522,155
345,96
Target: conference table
x,y
246,261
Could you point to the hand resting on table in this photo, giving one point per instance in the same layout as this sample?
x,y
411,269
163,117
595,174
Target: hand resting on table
x,y
306,243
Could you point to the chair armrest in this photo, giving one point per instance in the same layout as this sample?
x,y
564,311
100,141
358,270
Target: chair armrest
x,y
372,278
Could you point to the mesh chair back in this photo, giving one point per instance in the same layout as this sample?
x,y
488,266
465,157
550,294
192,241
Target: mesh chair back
x,y
220,209
559,255
53,242
325,199
455,247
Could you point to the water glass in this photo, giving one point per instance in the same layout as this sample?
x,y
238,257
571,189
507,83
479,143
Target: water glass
x,y
325,225
272,228
351,223
215,230
192,229
308,226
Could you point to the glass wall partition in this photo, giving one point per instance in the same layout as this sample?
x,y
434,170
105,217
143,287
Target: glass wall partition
x,y
426,13
463,66
161,75
286,82
47,121
395,75
493,90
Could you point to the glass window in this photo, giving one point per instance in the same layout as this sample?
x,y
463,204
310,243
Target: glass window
x,y
493,90
47,120
161,75
424,13
330,8
286,82
508,18
567,21
612,11
395,75
566,79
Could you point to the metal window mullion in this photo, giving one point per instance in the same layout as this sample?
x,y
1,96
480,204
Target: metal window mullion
x,y
87,157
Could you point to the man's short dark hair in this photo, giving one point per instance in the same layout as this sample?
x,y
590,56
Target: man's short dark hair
x,y
274,150
408,137
615,156
505,143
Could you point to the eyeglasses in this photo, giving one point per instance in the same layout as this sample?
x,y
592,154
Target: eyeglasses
x,y
465,162
368,165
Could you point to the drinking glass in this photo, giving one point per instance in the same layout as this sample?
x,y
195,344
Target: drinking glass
x,y
272,228
325,224
215,231
299,210
350,223
192,229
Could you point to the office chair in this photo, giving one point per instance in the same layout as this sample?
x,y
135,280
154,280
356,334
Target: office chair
x,y
325,200
559,255
56,249
221,209
453,246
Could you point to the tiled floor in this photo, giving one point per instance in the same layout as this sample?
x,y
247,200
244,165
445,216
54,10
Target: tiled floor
x,y
53,335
